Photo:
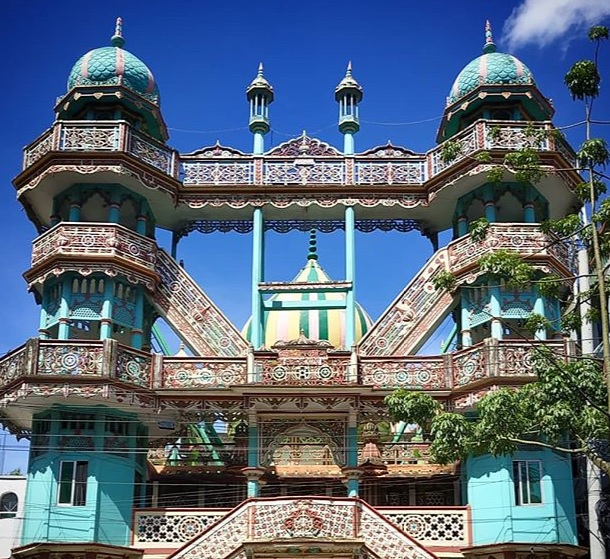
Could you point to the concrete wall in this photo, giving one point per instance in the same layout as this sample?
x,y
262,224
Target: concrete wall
x,y
10,528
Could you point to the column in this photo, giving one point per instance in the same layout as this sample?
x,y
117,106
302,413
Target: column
x,y
43,333
258,248
142,220
350,276
75,207
490,205
106,318
137,334
462,220
539,309
528,206
351,470
465,315
63,331
114,209
496,312
348,143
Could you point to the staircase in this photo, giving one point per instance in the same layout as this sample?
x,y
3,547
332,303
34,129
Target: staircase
x,y
298,525
192,315
415,314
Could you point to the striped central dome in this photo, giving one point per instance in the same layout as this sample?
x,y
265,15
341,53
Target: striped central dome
x,y
315,324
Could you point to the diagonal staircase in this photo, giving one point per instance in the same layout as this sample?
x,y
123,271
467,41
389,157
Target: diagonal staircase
x,y
293,525
415,314
195,319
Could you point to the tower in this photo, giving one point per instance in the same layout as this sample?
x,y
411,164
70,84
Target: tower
x,y
348,94
260,96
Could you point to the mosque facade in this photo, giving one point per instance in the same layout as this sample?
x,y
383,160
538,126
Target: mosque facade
x,y
274,441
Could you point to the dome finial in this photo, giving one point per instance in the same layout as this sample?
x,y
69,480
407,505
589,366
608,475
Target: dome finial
x,y
490,46
117,39
260,69
313,246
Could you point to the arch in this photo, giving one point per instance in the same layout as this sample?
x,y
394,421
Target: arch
x,y
303,444
9,503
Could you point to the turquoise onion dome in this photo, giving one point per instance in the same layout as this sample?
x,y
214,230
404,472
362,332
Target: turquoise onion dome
x,y
114,65
314,324
491,68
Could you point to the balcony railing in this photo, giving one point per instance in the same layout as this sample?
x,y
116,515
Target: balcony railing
x,y
61,358
375,167
442,527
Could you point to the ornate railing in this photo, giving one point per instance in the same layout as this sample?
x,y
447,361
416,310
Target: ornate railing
x,y
77,358
302,372
218,166
102,136
192,372
399,454
285,519
83,241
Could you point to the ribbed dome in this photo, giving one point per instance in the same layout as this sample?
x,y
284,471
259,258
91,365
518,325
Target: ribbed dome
x,y
315,324
114,65
491,68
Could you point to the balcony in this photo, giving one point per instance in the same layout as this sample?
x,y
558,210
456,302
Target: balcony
x,y
103,244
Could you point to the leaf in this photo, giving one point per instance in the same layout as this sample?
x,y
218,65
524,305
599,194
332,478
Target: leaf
x,y
583,80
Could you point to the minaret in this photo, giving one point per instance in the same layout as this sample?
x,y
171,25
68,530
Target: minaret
x,y
489,46
260,96
348,94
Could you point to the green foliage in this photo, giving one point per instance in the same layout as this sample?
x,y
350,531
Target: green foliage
x,y
583,80
478,229
450,151
508,266
550,286
583,190
412,407
564,227
593,152
536,322
495,174
483,157
494,132
526,165
570,322
598,32
444,280
451,434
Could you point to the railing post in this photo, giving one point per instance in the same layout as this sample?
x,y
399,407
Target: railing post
x,y
109,358
31,364
156,365
448,367
491,348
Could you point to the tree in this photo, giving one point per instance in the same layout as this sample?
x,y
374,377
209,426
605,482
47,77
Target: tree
x,y
567,407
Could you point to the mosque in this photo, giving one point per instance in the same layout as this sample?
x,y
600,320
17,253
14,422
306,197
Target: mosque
x,y
274,441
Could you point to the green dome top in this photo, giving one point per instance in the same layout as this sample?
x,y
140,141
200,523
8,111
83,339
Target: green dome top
x,y
491,68
114,66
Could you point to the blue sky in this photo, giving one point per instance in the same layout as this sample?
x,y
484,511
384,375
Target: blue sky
x,y
204,54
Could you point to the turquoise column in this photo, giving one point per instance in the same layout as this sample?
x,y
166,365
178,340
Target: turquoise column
x,y
353,484
528,207
259,143
348,143
137,334
253,472
496,312
258,247
465,315
350,276
142,220
114,209
54,215
106,318
490,206
462,220
74,214
44,315
63,331
539,309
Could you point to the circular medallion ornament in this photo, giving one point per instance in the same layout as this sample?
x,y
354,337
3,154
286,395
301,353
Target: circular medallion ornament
x,y
133,368
134,250
228,377
279,373
175,286
325,372
517,240
188,527
403,377
381,343
69,360
380,377
87,240
414,526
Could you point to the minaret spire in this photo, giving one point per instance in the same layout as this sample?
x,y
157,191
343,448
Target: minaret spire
x,y
117,39
313,246
348,94
490,46
260,95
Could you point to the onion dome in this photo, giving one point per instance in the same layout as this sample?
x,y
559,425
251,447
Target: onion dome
x,y
491,68
114,65
260,85
314,324
348,86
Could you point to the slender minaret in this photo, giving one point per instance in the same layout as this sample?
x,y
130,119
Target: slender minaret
x,y
348,94
260,96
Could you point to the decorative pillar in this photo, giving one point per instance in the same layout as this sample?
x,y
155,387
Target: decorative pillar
x,y
529,215
75,207
465,315
462,219
348,94
350,276
63,331
352,476
142,220
114,208
260,96
490,204
258,249
496,312
106,318
539,309
42,328
137,334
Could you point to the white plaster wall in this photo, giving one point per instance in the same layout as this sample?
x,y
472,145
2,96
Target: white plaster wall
x,y
10,528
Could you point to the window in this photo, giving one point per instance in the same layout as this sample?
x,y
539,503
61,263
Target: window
x,y
73,484
526,476
8,505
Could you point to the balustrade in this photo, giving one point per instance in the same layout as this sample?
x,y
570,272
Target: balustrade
x,y
261,519
228,169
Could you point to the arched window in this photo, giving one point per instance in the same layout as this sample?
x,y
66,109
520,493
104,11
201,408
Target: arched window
x,y
8,505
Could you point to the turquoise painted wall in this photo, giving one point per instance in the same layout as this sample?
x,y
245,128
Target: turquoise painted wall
x,y
106,515
496,518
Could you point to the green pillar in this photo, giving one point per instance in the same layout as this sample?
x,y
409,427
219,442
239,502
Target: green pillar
x,y
490,205
529,215
75,207
114,209
258,250
350,275
137,334
496,312
462,219
63,331
465,316
539,309
42,327
106,319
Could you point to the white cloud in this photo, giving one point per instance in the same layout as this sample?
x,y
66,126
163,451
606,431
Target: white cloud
x,y
543,22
